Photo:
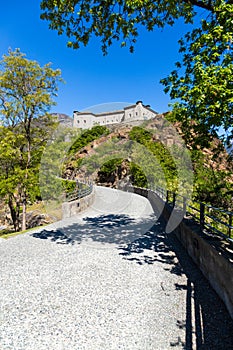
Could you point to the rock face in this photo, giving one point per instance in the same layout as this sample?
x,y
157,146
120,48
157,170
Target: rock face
x,y
34,219
118,178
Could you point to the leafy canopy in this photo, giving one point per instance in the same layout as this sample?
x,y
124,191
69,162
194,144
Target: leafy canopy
x,y
26,89
112,20
202,84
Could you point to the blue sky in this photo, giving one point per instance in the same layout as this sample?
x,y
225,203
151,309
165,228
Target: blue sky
x,y
92,78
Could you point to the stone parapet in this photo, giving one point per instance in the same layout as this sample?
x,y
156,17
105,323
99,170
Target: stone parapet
x,y
208,253
72,208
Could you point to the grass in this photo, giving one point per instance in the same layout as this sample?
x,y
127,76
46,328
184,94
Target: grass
x,y
9,234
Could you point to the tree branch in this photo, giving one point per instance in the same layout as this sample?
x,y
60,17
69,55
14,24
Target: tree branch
x,y
204,5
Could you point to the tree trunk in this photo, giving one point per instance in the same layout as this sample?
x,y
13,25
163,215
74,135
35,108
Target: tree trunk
x,y
24,196
14,210
24,206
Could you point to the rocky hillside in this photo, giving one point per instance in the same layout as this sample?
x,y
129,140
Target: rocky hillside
x,y
107,161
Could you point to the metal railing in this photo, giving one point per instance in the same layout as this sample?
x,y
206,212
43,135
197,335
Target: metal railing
x,y
82,189
209,217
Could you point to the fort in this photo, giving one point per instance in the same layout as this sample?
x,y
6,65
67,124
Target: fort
x,y
137,111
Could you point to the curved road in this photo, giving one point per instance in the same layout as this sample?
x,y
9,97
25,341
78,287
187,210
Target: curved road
x,y
107,279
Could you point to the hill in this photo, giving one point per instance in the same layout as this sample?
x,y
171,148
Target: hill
x,y
143,154
64,119
105,158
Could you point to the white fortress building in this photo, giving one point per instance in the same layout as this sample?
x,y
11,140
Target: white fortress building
x,y
138,111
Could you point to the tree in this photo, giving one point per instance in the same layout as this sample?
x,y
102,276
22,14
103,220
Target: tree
x,y
9,174
212,180
26,94
202,84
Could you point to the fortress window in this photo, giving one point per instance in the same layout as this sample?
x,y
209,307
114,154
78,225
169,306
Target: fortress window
x,y
85,121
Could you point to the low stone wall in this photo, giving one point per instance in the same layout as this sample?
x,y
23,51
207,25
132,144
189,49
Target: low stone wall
x,y
73,208
215,265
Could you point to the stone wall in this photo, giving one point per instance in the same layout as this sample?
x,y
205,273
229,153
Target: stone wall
x,y
70,209
215,265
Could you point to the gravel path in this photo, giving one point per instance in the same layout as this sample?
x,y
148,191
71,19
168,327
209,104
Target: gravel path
x,y
106,280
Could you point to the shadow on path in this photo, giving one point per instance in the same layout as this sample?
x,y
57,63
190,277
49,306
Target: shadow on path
x,y
208,324
111,228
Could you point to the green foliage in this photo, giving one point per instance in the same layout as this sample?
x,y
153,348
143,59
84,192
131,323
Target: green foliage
x,y
103,153
26,89
110,166
54,161
88,136
26,94
202,83
213,187
68,185
138,177
71,163
140,135
114,20
160,152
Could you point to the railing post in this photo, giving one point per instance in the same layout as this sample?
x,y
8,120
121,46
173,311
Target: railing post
x,y
173,199
184,205
230,224
167,196
202,215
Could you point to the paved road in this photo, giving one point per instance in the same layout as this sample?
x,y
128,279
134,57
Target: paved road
x,y
106,280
